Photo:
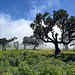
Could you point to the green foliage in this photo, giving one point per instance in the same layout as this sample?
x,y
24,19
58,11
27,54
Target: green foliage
x,y
4,42
45,23
13,62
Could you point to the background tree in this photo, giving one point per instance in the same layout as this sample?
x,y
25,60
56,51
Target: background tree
x,y
8,45
44,24
73,44
32,41
16,45
65,46
4,41
35,41
25,41
0,46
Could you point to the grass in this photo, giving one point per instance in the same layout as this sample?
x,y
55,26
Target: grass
x,y
37,62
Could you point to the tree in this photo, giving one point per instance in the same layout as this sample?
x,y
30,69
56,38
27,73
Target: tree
x,y
4,41
73,44
31,41
16,45
44,24
8,45
35,41
65,46
25,41
0,46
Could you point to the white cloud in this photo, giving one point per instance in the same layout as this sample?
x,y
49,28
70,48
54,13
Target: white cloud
x,y
14,28
36,10
53,2
41,7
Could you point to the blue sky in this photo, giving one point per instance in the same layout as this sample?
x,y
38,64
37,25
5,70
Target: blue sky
x,y
16,15
23,8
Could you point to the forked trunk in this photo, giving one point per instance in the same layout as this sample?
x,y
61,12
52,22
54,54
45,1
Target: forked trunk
x,y
57,50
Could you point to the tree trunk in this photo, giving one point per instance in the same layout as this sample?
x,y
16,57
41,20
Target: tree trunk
x,y
66,47
57,50
34,47
3,47
17,48
24,46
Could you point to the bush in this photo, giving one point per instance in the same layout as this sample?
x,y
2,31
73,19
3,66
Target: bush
x,y
31,61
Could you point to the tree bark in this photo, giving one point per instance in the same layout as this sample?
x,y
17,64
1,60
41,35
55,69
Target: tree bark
x,y
57,50
24,46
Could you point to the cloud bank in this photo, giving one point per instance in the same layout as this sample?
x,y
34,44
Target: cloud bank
x,y
14,28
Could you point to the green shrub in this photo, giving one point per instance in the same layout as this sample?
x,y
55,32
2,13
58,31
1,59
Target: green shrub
x,y
31,61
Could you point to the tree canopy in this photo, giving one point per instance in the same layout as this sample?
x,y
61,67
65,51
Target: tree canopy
x,y
25,41
16,45
4,41
35,41
44,24
32,41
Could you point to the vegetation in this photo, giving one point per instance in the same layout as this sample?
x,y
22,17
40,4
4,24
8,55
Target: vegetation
x,y
16,45
37,62
35,41
42,62
44,24
73,44
4,42
25,41
32,41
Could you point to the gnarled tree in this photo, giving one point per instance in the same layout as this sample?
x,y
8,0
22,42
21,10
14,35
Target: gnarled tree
x,y
44,24
32,41
35,41
4,41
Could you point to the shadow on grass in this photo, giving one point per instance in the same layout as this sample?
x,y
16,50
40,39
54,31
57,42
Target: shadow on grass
x,y
68,57
61,56
64,57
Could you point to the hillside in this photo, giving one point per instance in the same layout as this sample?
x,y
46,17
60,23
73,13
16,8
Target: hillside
x,y
37,62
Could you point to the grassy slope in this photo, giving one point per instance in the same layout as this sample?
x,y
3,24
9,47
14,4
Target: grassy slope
x,y
21,62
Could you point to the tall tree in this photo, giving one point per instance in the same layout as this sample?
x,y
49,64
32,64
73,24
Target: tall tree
x,y
4,41
44,24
